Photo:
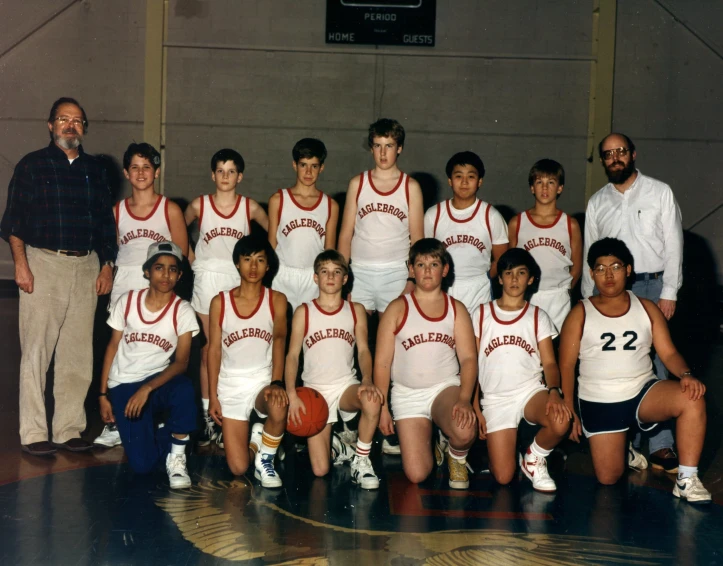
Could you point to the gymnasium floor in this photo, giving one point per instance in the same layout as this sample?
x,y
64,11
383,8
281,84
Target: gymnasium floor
x,y
91,509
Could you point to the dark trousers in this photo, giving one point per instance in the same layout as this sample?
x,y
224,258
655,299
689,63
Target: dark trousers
x,y
145,444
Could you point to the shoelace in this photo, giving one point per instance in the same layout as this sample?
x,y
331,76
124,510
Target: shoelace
x,y
177,466
268,466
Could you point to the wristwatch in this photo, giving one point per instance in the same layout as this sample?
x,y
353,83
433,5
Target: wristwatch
x,y
110,263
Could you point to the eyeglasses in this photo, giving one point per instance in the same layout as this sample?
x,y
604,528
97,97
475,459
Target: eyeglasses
x,y
75,122
603,269
619,152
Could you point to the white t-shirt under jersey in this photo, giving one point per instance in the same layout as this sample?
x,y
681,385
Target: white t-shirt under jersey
x,y
509,355
149,338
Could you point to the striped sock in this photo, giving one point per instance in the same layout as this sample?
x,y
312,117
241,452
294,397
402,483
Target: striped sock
x,y
457,454
270,444
363,448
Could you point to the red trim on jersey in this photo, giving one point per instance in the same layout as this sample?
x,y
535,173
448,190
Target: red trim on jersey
x,y
406,189
371,184
494,315
306,318
404,318
328,208
281,204
271,304
487,221
481,319
322,311
223,310
309,209
630,302
361,184
256,308
436,219
569,228
517,231
168,218
128,306
537,312
117,220
233,212
453,219
353,312
424,316
248,213
454,307
160,316
542,227
142,218
200,211
175,316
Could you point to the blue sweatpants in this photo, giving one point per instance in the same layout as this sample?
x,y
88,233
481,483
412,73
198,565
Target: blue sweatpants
x,y
144,444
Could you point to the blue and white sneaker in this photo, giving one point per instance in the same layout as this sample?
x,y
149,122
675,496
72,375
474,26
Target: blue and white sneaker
x,y
692,490
265,471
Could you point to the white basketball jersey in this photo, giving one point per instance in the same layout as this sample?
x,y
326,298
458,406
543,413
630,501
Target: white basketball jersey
x,y
550,246
246,342
424,348
302,231
381,230
509,356
329,339
468,240
615,353
218,235
149,338
135,234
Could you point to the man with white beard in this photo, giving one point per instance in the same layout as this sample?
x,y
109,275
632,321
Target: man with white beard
x,y
59,224
643,213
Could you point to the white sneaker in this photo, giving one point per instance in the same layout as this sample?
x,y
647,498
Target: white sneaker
x,y
209,433
257,432
362,472
391,448
177,472
692,490
110,436
536,471
636,461
341,452
349,436
440,448
265,471
219,440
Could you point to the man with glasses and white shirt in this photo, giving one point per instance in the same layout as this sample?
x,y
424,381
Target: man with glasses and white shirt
x,y
59,224
643,213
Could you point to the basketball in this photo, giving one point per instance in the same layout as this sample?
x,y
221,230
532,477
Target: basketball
x,y
317,413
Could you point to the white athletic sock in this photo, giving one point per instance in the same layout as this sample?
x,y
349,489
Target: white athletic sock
x,y
205,402
363,448
456,454
686,471
537,450
178,445
270,444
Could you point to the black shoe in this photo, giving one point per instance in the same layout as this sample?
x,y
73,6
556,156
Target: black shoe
x,y
73,445
664,459
43,448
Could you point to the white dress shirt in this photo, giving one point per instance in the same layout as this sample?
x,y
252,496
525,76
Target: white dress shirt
x,y
647,218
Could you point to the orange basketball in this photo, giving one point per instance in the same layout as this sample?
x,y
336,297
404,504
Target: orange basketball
x,y
317,413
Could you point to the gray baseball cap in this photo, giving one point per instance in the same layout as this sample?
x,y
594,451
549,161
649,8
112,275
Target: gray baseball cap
x,y
162,248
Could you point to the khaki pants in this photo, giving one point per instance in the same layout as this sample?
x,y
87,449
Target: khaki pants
x,y
57,316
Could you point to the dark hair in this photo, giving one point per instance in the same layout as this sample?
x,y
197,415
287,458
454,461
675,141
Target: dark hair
x,y
67,100
518,257
431,247
334,257
309,148
386,128
224,155
628,142
144,150
465,158
546,168
250,245
149,262
609,247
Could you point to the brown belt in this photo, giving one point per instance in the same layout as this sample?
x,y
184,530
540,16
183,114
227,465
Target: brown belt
x,y
68,253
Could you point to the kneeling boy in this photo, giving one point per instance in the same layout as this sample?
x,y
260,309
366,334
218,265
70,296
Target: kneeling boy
x,y
515,349
328,328
139,381
425,344
245,354
612,334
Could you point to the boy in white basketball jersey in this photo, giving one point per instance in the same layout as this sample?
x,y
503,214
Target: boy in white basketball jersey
x,y
611,334
473,232
327,329
139,381
302,224
514,344
245,355
383,216
142,219
552,237
425,345
223,218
